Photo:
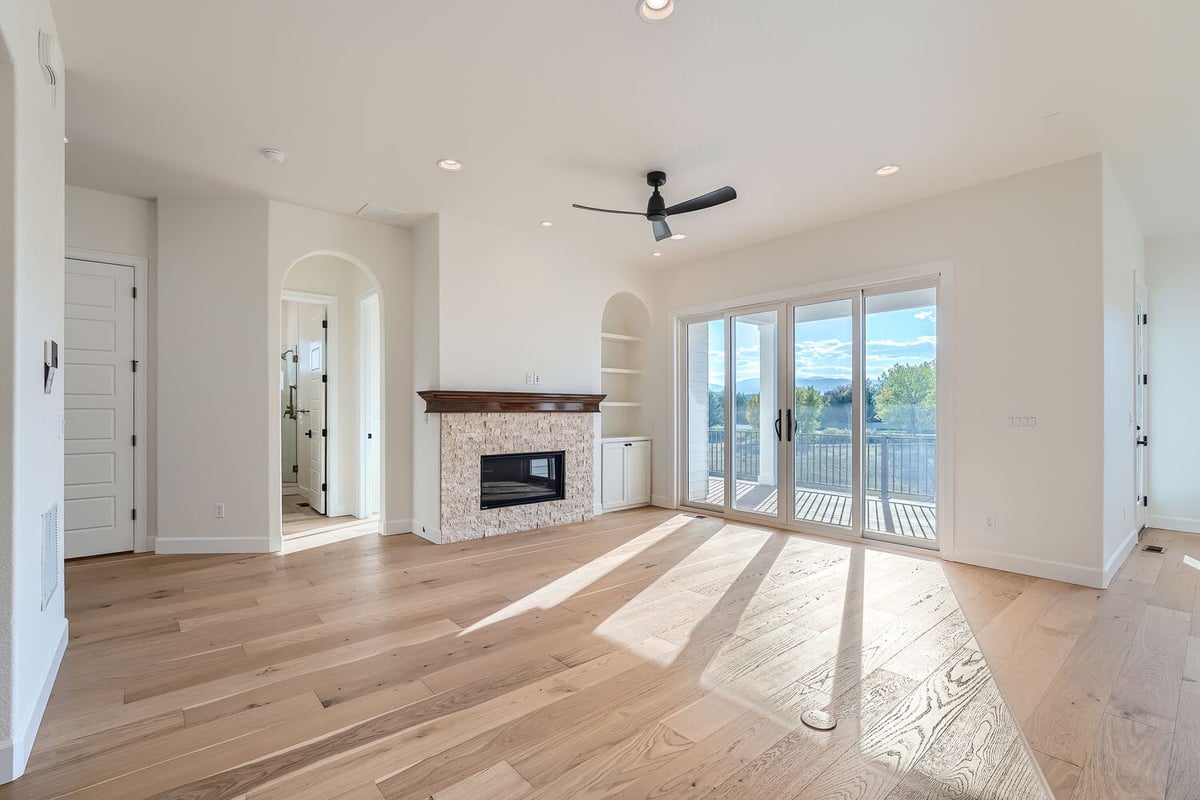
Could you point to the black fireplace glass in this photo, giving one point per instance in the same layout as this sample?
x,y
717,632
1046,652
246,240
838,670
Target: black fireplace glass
x,y
517,479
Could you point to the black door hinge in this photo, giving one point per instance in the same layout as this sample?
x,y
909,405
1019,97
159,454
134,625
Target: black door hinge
x,y
324,323
322,487
134,365
135,293
368,436
295,467
324,379
133,515
134,438
1146,500
324,431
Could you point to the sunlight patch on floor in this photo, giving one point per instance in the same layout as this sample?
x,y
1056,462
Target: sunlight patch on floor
x,y
566,587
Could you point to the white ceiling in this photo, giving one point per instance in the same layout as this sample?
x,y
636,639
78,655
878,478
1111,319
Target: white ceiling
x,y
549,102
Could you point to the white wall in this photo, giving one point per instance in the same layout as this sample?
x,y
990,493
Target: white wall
x,y
427,360
499,304
128,226
1173,283
31,312
1023,332
1124,268
337,277
213,327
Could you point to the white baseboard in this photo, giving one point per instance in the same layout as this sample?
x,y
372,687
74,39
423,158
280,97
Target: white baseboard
x,y
429,532
1037,567
14,754
180,545
396,526
1182,524
1117,560
662,501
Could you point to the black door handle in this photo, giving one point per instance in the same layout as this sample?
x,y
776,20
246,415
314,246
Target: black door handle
x,y
779,425
308,434
1144,441
790,424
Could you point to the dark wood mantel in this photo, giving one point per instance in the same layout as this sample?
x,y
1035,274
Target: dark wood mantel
x,y
442,402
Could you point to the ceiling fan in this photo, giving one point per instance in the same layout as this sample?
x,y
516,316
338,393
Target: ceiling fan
x,y
657,209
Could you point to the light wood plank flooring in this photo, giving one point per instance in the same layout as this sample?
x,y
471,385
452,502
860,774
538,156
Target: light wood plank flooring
x,y
643,654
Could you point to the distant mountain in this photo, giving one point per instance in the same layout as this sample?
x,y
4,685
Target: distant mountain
x,y
822,385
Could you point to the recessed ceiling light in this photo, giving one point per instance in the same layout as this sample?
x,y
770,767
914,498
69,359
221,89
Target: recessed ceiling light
x,y
276,157
887,169
679,236
547,223
450,165
655,10
656,255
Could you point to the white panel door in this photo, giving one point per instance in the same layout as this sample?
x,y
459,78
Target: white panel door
x,y
97,375
311,388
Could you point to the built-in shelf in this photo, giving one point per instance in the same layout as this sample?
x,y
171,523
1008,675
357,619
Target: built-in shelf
x,y
619,404
620,337
621,371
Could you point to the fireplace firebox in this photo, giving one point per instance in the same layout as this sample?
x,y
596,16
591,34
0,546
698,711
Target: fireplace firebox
x,y
520,478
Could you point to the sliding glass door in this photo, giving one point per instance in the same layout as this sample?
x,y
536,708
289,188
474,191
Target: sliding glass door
x,y
817,414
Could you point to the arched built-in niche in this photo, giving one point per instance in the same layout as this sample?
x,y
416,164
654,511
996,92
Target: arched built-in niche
x,y
625,327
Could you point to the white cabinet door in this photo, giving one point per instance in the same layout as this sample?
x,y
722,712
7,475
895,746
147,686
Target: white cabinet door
x,y
612,475
637,473
97,376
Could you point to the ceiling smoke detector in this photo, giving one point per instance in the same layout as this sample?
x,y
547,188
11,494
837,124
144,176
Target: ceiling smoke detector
x,y
655,10
276,157
377,212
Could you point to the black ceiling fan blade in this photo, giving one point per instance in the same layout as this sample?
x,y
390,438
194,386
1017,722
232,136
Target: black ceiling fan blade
x,y
713,198
661,230
609,210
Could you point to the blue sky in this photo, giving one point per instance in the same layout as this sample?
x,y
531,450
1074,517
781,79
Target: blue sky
x,y
823,349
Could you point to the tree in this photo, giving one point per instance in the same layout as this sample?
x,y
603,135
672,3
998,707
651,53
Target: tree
x,y
809,403
753,405
716,409
907,397
837,412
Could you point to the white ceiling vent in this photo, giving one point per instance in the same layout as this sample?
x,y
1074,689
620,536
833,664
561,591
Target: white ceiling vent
x,y
380,213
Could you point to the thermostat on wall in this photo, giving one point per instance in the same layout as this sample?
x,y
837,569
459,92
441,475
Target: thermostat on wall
x,y
51,360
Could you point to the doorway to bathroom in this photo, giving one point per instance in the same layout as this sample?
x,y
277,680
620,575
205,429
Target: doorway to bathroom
x,y
329,403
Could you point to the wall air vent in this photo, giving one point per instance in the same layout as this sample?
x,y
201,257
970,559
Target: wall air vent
x,y
380,213
50,557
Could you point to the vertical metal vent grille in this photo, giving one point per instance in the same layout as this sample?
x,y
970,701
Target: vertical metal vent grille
x,y
50,559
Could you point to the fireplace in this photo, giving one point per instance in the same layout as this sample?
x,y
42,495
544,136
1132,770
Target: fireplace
x,y
519,479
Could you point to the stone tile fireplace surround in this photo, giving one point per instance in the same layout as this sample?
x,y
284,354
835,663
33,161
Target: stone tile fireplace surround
x,y
475,424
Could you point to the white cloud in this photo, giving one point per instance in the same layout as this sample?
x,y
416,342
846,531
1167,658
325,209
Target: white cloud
x,y
927,314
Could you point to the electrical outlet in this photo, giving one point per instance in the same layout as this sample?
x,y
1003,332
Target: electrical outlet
x,y
989,520
529,379
219,510
1021,421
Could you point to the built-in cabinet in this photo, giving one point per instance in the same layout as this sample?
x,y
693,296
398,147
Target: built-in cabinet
x,y
624,473
624,426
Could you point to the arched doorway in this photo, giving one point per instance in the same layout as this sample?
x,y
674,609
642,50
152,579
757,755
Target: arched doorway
x,y
330,411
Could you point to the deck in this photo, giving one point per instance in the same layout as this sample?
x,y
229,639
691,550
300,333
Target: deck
x,y
909,517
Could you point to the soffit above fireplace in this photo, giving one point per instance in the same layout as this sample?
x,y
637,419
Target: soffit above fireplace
x,y
451,402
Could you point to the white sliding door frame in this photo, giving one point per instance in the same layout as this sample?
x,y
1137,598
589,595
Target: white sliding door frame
x,y
143,541
939,278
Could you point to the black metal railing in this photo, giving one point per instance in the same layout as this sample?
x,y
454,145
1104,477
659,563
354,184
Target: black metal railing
x,y
904,465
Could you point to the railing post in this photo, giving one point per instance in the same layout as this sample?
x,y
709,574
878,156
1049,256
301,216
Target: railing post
x,y
884,470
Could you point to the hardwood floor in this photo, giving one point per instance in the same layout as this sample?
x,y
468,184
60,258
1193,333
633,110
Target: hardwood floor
x,y
643,654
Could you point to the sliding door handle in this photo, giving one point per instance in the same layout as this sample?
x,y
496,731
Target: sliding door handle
x,y
779,425
790,426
